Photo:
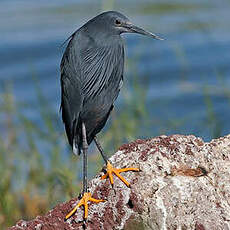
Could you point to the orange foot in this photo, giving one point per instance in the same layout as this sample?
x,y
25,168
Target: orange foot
x,y
84,201
111,170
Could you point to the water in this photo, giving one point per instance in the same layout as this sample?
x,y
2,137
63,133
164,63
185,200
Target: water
x,y
194,58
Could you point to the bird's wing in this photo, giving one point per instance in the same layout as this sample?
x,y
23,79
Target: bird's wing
x,y
91,77
102,79
102,70
71,96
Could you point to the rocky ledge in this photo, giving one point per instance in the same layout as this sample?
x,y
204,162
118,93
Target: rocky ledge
x,y
184,183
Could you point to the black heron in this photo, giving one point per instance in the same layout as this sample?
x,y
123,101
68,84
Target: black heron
x,y
91,78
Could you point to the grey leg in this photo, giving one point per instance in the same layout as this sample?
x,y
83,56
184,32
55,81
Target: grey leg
x,y
100,150
85,150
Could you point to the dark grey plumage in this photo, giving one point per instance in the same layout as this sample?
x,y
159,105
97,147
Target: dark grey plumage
x,y
92,74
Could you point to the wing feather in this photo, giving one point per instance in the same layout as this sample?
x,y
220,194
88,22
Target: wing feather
x,y
71,93
97,67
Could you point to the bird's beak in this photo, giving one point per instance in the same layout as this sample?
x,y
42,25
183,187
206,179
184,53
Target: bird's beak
x,y
135,29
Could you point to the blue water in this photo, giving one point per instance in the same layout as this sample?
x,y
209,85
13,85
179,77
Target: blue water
x,y
194,57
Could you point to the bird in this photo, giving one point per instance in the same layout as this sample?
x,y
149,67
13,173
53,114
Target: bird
x,y
92,73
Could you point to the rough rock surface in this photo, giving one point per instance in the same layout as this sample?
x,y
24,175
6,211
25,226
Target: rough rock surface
x,y
184,183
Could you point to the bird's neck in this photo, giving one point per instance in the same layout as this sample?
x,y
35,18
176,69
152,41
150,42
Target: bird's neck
x,y
108,40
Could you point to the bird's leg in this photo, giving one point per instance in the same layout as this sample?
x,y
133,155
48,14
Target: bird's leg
x,y
86,195
85,159
105,158
110,169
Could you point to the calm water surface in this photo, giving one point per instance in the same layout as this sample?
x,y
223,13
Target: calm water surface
x,y
193,61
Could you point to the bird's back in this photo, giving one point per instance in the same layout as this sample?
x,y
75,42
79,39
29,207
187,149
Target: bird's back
x,y
91,78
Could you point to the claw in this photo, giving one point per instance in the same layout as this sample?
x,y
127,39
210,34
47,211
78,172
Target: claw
x,y
111,170
84,201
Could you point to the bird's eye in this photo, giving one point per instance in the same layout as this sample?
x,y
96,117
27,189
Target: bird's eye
x,y
117,22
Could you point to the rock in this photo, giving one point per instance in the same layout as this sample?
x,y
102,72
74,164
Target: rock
x,y
184,183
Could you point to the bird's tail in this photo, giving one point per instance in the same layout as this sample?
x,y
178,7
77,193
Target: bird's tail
x,y
76,147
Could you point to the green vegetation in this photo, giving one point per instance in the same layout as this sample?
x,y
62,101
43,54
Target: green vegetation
x,y
32,179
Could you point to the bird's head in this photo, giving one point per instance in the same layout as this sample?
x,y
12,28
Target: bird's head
x,y
112,22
